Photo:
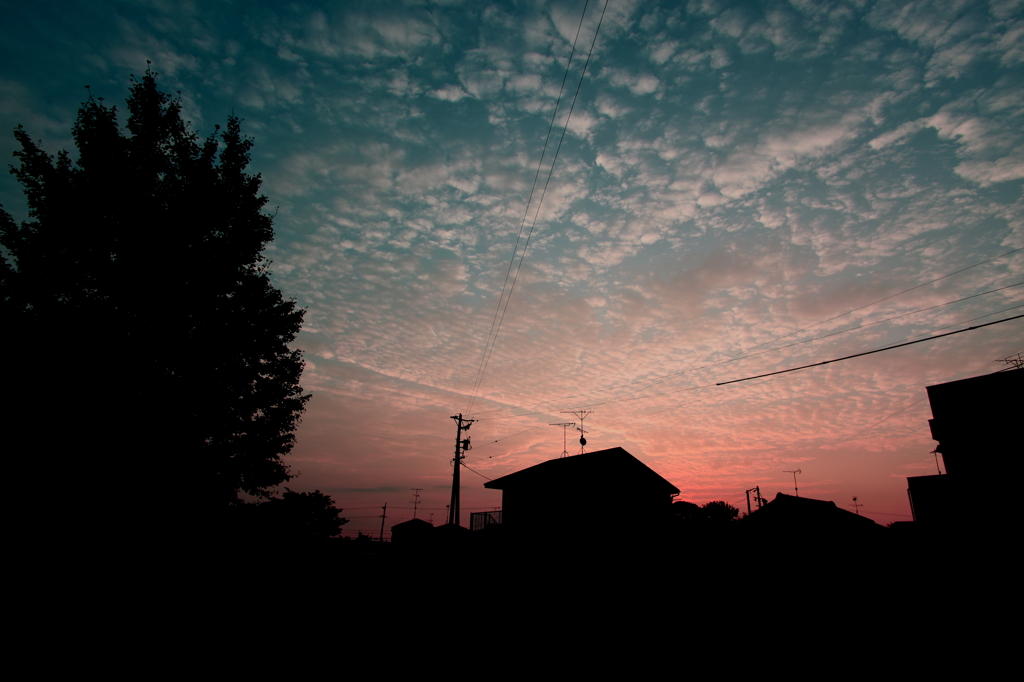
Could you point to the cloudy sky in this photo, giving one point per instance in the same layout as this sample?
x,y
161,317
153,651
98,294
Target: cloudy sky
x,y
734,177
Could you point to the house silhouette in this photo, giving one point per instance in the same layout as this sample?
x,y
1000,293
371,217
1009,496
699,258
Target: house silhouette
x,y
595,492
976,423
788,513
413,532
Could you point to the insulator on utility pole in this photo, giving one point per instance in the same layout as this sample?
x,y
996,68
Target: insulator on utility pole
x,y
757,498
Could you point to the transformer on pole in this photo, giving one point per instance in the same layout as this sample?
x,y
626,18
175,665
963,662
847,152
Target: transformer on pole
x,y
757,498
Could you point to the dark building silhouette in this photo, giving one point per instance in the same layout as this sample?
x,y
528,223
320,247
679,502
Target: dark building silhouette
x,y
411,532
788,513
484,520
607,490
976,423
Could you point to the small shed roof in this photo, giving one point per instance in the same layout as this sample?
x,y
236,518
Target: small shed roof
x,y
612,467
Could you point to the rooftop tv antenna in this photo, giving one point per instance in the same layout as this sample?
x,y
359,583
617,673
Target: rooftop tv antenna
x,y
582,414
856,505
564,425
1016,360
795,488
415,500
936,453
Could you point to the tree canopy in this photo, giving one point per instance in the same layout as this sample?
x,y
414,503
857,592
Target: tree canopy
x,y
720,511
302,517
148,344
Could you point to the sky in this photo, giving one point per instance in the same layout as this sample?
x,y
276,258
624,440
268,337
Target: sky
x,y
734,178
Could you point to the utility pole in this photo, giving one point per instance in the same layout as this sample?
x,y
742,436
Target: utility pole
x,y
383,516
415,500
795,488
461,446
582,414
757,498
564,425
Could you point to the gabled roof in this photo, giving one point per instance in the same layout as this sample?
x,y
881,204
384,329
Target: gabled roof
x,y
612,467
789,509
415,524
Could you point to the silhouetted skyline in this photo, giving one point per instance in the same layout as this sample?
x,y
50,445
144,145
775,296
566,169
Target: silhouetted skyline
x,y
733,172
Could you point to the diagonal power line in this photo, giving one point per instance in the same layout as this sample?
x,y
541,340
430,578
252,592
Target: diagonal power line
x,y
877,350
526,213
536,215
654,381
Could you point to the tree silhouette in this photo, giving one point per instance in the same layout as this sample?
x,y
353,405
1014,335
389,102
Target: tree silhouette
x,y
302,517
151,350
686,511
720,511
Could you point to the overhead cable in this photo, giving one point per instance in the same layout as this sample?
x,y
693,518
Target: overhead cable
x,y
877,350
654,381
899,293
526,213
540,204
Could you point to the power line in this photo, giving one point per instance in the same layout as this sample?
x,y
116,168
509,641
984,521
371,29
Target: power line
x,y
526,213
700,386
868,305
477,447
657,380
877,350
654,381
540,204
882,421
476,472
746,353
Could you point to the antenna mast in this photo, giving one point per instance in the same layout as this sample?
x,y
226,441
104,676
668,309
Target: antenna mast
x,y
795,488
564,425
415,500
856,505
582,414
1016,360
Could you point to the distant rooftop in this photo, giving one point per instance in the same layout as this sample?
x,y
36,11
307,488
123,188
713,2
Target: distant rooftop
x,y
602,468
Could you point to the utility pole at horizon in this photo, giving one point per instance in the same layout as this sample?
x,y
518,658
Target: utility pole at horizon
x,y
461,446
